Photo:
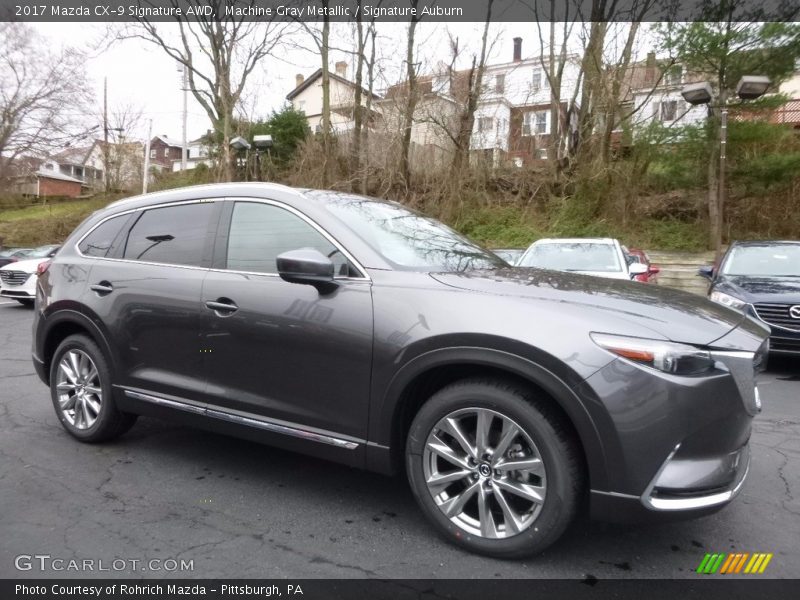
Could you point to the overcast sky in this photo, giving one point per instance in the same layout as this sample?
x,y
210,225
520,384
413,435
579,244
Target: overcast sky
x,y
141,74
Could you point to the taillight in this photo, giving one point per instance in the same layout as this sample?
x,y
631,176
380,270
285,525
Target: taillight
x,y
42,268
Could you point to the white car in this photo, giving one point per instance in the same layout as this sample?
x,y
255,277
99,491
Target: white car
x,y
601,257
18,279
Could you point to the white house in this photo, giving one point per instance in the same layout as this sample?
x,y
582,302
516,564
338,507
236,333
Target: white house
x,y
307,97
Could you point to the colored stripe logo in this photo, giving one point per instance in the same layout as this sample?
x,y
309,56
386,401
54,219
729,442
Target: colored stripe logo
x,y
736,562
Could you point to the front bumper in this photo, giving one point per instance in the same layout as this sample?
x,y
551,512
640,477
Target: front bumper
x,y
25,289
677,447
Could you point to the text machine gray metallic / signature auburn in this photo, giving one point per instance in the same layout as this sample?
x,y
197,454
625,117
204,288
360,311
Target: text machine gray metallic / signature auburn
x,y
356,330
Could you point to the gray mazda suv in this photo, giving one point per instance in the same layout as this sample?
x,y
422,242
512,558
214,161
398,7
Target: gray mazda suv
x,y
356,330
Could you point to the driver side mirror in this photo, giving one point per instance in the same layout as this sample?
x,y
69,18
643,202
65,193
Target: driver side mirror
x,y
637,269
706,271
307,266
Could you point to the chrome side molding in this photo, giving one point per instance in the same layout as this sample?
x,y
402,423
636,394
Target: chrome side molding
x,y
250,421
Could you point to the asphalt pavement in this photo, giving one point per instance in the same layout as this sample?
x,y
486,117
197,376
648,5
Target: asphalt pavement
x,y
231,508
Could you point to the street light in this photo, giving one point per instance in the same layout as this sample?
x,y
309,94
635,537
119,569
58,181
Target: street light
x,y
749,87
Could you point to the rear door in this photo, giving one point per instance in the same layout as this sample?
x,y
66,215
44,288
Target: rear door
x,y
144,290
283,351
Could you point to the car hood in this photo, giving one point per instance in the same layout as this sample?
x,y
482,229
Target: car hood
x,y
761,289
27,266
673,314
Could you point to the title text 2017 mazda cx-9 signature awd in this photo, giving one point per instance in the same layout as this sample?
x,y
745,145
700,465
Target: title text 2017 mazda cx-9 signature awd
x,y
355,330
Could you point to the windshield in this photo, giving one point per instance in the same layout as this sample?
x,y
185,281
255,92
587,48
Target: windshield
x,y
40,252
407,240
774,260
572,256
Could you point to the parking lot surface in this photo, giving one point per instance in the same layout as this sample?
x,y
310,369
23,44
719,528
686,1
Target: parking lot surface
x,y
238,509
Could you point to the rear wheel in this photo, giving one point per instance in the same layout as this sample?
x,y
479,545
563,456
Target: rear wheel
x,y
80,387
494,468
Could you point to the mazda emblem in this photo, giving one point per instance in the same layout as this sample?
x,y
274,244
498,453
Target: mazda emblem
x,y
794,311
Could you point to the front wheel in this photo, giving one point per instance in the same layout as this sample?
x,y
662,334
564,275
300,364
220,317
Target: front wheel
x,y
80,387
25,301
494,468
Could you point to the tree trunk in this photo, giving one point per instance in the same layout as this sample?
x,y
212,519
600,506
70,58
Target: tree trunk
x,y
355,154
411,103
326,100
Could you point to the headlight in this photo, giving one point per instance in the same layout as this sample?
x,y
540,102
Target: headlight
x,y
727,300
669,357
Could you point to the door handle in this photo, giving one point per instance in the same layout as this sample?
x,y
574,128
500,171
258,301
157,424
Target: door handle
x,y
222,305
103,288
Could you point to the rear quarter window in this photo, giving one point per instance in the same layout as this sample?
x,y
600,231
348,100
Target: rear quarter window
x,y
173,235
101,238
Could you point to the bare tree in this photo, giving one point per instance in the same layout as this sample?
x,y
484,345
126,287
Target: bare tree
x,y
411,97
371,34
42,93
220,56
473,93
123,158
553,64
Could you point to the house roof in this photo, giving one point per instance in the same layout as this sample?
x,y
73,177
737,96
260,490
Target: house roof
x,y
75,156
169,141
316,75
56,175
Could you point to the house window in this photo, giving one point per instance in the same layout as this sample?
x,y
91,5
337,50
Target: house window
x,y
540,80
535,123
152,153
485,123
166,152
666,110
673,75
301,105
500,83
541,153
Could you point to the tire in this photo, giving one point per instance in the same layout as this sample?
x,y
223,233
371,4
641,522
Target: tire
x,y
85,404
25,301
548,457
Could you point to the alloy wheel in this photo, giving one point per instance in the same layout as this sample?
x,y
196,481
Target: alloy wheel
x,y
485,473
80,396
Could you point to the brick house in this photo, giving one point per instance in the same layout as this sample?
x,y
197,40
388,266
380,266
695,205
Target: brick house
x,y
56,184
163,151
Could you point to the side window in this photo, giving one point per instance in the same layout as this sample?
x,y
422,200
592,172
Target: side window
x,y
173,235
260,232
99,241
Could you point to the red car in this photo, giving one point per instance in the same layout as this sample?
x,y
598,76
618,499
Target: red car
x,y
640,256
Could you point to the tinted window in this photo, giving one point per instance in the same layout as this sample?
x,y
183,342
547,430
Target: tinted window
x,y
260,232
173,235
99,241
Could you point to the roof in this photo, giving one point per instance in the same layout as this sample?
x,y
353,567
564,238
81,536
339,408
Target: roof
x,y
57,175
169,141
76,155
316,75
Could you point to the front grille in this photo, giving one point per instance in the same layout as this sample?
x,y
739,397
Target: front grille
x,y
779,344
14,277
778,314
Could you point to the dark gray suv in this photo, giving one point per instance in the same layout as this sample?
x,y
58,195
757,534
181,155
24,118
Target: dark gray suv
x,y
356,330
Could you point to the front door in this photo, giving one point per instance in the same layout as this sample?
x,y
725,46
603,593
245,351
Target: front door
x,y
285,351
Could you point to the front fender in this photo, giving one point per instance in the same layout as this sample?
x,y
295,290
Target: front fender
x,y
581,411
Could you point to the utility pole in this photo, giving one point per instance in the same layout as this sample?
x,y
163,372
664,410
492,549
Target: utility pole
x,y
185,150
146,174
721,179
105,134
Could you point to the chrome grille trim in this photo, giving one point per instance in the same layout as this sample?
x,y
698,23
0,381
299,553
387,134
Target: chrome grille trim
x,y
14,277
777,315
